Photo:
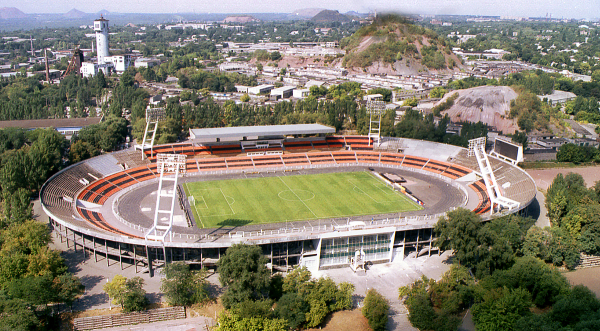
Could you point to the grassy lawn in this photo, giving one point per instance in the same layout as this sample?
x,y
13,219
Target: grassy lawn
x,y
293,198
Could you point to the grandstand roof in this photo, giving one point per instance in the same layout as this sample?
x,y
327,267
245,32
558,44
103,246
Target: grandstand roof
x,y
261,131
55,123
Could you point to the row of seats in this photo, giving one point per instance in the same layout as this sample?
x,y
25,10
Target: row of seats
x,y
484,201
354,142
359,143
99,191
97,220
102,189
187,149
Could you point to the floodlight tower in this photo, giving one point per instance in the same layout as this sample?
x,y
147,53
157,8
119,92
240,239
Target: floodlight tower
x,y
153,116
375,108
169,166
477,149
101,28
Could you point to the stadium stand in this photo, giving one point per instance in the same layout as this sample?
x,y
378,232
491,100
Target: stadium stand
x,y
296,145
359,143
226,149
268,161
97,179
295,159
320,158
335,142
211,164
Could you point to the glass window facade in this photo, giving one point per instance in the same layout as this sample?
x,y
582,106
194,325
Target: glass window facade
x,y
337,251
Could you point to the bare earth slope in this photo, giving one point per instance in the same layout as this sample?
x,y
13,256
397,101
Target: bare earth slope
x,y
488,104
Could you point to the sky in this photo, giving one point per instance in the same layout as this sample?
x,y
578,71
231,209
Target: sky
x,y
523,8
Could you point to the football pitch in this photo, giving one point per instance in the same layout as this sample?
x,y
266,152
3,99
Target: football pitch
x,y
293,198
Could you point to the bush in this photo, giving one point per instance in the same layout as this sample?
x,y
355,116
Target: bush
x,y
376,310
292,308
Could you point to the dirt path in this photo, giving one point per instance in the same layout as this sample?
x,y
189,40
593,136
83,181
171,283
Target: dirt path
x,y
544,177
590,277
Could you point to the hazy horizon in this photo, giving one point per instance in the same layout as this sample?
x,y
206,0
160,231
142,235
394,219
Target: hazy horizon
x,y
579,9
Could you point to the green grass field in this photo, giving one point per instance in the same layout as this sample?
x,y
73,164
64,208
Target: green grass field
x,y
293,198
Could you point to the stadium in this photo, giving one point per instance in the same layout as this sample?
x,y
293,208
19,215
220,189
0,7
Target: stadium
x,y
303,194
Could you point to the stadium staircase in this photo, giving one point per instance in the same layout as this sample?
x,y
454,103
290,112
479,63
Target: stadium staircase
x,y
588,261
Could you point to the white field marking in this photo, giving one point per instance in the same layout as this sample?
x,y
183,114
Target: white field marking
x,y
402,196
386,192
197,213
227,199
289,188
223,194
365,193
279,195
204,201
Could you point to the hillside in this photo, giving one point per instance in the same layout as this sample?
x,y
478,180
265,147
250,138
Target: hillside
x,y
391,44
7,13
488,104
327,16
74,13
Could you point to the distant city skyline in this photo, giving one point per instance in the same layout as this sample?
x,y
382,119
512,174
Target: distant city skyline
x,y
580,9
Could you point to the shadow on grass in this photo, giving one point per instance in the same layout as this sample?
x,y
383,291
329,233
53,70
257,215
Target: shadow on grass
x,y
229,225
234,222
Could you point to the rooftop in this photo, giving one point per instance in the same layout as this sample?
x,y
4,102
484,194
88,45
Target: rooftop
x,y
264,130
55,123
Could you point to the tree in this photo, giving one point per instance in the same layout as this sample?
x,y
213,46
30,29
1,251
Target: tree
x,y
232,322
17,315
543,283
438,92
183,287
245,98
81,150
32,290
243,271
134,298
293,308
17,206
572,306
512,303
458,231
376,309
128,293
68,288
115,289
275,56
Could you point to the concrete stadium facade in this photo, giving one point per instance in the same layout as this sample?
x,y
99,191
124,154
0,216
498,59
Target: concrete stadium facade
x,y
93,205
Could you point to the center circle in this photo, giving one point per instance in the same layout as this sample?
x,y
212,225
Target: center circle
x,y
296,195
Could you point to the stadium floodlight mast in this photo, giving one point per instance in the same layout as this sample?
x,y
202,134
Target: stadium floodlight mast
x,y
153,116
375,109
169,166
497,199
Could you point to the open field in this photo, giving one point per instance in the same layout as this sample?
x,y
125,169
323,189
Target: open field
x,y
293,198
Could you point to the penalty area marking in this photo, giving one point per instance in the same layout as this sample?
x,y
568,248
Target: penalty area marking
x,y
356,187
197,213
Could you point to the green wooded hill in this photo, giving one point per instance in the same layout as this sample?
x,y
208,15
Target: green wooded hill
x,y
392,39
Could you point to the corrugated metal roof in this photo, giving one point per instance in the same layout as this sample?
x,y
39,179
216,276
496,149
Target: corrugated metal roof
x,y
55,123
264,130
